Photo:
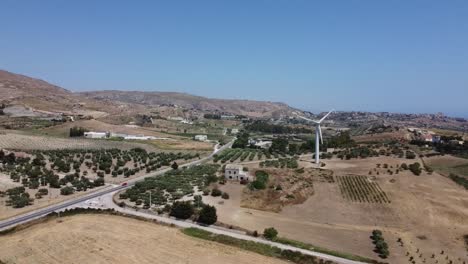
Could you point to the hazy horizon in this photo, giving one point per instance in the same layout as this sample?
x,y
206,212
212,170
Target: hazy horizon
x,y
409,57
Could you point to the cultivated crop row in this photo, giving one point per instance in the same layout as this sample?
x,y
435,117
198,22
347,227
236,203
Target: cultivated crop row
x,y
357,188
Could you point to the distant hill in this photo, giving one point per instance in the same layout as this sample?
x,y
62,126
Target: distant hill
x,y
39,95
36,94
188,101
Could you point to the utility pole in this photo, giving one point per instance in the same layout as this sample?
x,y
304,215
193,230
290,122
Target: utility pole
x,y
150,199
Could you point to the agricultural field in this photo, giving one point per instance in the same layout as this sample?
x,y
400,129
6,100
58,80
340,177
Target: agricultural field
x,y
21,141
171,186
63,130
290,163
426,213
358,188
181,144
39,175
114,239
245,155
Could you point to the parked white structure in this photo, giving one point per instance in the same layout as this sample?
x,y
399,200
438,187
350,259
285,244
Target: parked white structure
x,y
264,144
201,137
95,134
235,172
131,137
234,131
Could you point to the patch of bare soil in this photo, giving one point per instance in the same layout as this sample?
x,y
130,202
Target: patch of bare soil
x,y
285,187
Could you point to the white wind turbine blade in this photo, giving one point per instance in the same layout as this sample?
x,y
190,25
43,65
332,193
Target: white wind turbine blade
x,y
323,118
307,119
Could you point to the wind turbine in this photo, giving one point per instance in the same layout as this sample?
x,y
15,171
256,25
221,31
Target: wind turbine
x,y
318,135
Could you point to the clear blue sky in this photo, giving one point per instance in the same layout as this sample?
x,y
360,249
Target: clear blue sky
x,y
400,56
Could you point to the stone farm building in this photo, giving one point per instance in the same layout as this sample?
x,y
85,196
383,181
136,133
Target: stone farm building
x,y
236,173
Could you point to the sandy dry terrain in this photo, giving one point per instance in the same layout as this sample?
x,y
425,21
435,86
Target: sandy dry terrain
x,y
114,239
428,212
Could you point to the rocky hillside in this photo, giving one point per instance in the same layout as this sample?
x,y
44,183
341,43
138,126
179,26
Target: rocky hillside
x,y
187,101
33,95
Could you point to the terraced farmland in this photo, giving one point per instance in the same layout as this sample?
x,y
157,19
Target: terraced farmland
x,y
358,188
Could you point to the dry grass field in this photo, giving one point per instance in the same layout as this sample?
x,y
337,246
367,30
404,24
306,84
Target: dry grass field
x,y
448,164
382,137
115,239
96,125
182,144
428,212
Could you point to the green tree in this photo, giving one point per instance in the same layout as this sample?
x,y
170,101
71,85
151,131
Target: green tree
x,y
182,210
207,215
197,201
279,145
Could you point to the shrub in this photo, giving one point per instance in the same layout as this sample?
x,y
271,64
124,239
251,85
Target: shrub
x,y
404,166
67,190
216,192
270,233
225,195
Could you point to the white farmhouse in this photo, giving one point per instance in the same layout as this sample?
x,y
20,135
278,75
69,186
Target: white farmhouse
x,y
236,173
95,134
201,137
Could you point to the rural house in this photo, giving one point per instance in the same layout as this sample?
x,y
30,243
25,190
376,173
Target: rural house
x,y
236,173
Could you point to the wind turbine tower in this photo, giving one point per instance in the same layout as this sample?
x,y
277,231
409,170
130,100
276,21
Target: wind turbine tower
x,y
318,135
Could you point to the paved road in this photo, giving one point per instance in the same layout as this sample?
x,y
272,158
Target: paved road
x,y
8,223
